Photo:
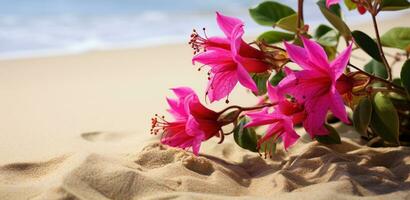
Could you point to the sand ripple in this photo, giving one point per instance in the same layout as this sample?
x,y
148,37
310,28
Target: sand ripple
x,y
310,171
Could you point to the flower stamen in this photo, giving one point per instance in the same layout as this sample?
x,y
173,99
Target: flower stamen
x,y
197,42
158,124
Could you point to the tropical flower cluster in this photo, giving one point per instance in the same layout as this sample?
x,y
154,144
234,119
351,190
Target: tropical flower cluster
x,y
303,81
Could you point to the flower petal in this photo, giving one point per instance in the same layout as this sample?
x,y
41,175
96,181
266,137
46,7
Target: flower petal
x,y
252,65
245,79
316,54
339,64
298,55
316,110
273,93
213,57
337,107
226,24
192,127
182,92
196,145
289,136
331,2
260,118
218,42
177,109
273,129
221,84
236,39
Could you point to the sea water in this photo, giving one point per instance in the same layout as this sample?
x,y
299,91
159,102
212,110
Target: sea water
x,y
38,27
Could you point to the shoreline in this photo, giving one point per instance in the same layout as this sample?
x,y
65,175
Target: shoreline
x,y
97,46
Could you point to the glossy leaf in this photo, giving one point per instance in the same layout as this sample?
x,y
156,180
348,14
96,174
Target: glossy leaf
x,y
331,52
397,81
245,137
376,68
277,78
385,121
289,23
405,75
332,138
272,37
390,5
367,44
270,12
321,30
362,115
398,37
260,80
335,20
329,39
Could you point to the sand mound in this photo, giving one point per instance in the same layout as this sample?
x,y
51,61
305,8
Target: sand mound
x,y
310,171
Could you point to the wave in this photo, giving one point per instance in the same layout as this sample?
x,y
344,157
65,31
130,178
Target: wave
x,y
27,34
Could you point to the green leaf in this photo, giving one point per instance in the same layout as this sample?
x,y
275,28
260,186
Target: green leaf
x,y
270,12
350,5
330,52
390,5
277,78
260,80
321,30
335,20
397,81
289,23
376,68
272,37
398,37
367,44
245,137
362,115
405,75
385,121
329,39
332,138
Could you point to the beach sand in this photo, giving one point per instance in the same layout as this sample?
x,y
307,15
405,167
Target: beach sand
x,y
77,127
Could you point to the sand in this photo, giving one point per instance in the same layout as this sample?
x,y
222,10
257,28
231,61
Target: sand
x,y
309,171
76,127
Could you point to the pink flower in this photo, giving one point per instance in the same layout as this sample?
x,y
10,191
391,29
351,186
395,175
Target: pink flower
x,y
316,84
331,2
230,58
360,7
193,122
281,120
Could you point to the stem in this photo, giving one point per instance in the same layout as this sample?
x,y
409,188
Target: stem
x,y
241,109
391,84
379,46
238,112
300,13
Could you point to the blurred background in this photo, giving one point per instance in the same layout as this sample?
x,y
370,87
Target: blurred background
x,y
38,27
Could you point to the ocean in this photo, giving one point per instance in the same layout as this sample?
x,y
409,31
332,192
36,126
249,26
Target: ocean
x,y
43,27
